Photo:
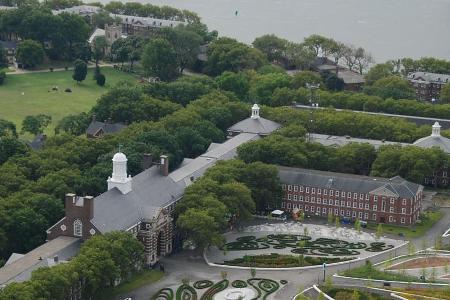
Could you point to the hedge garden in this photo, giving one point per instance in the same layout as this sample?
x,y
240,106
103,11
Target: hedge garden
x,y
302,244
263,287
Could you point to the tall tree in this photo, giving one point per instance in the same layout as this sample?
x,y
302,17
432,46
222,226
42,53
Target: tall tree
x,y
159,59
272,46
36,124
80,71
30,53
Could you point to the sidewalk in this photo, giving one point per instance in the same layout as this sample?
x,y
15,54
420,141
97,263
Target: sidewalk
x,y
23,71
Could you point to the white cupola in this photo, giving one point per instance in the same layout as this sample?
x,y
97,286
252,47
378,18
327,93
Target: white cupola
x,y
119,178
436,131
255,111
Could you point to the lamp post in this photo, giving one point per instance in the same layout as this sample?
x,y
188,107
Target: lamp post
x,y
312,103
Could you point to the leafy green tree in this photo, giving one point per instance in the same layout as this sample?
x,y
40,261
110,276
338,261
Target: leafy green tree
x,y
201,227
73,124
120,50
74,30
159,59
226,54
445,93
337,222
30,53
186,44
36,124
99,49
332,81
7,129
299,56
358,225
3,59
272,46
80,71
263,86
238,83
10,146
101,79
391,87
379,231
379,71
301,79
318,43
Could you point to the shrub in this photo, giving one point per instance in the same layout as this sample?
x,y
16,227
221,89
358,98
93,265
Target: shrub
x,y
101,79
2,77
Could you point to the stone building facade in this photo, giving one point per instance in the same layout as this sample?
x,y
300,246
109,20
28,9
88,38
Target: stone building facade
x,y
428,85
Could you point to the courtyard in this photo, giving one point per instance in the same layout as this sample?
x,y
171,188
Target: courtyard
x,y
292,244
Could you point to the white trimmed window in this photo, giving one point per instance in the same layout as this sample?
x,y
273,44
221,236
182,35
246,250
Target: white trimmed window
x,y
403,210
295,197
404,201
306,208
391,219
288,205
355,205
325,192
289,197
354,214
337,193
319,191
331,192
313,190
375,198
349,204
295,188
313,199
374,207
77,228
289,187
307,189
367,196
348,213
355,196
343,194
307,199
392,200
301,188
349,195
374,217
312,208
391,209
360,205
402,220
325,201
336,202
301,198
324,210
360,215
366,206
319,201
366,216
343,203
361,196
336,211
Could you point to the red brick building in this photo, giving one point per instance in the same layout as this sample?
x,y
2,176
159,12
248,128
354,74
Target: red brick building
x,y
380,200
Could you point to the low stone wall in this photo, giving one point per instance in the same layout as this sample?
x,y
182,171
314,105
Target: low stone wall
x,y
362,282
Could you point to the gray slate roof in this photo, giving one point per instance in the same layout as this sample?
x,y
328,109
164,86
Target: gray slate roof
x,y
348,182
8,44
152,191
434,141
338,141
259,126
147,22
350,77
429,77
108,128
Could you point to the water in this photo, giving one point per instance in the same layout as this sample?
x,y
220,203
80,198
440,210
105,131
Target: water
x,y
386,28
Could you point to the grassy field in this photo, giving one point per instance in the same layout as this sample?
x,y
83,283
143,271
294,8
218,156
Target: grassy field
x,y
428,219
138,280
31,94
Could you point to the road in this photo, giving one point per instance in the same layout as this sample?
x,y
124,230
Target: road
x,y
190,264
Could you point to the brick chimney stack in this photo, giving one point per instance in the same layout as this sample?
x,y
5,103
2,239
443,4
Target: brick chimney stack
x,y
164,165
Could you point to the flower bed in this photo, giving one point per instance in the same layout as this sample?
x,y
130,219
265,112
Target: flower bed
x,y
275,260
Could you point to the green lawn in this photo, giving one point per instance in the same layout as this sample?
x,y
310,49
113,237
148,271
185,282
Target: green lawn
x,y
370,272
138,280
38,97
428,219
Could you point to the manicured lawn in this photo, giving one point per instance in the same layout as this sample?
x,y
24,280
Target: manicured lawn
x,y
138,280
428,219
441,294
31,94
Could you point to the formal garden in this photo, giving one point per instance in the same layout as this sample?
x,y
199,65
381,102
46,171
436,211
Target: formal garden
x,y
296,245
250,289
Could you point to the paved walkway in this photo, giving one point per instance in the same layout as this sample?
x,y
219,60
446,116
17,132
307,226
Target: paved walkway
x,y
23,71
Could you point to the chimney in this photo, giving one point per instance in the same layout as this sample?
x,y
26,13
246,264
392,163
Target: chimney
x,y
164,165
147,161
56,259
89,206
94,118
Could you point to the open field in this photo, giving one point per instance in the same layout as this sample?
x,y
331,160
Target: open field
x,y
31,94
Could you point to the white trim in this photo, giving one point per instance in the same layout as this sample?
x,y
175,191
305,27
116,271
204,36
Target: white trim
x,y
48,230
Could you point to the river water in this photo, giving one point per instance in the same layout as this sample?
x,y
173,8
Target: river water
x,y
386,28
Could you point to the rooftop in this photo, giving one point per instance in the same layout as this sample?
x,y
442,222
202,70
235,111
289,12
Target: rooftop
x,y
391,187
21,266
338,141
429,77
151,191
434,140
147,22
108,128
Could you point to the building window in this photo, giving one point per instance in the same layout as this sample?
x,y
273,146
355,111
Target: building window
x,y
403,210
325,201
360,215
307,199
295,188
391,219
354,214
349,195
366,216
355,196
283,187
301,188
374,217
402,220
348,213
289,206
306,208
301,198
366,206
342,212
349,204
307,189
367,196
282,204
312,208
392,200
337,193
355,205
360,205
343,194
336,211
343,203
391,209
324,210
300,206
336,202
313,190
294,205
361,196
289,187
289,197
331,192
319,191
404,201
375,198
374,208
319,201
295,197
325,192
313,199
77,228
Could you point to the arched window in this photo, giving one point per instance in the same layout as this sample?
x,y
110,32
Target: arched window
x,y
77,228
